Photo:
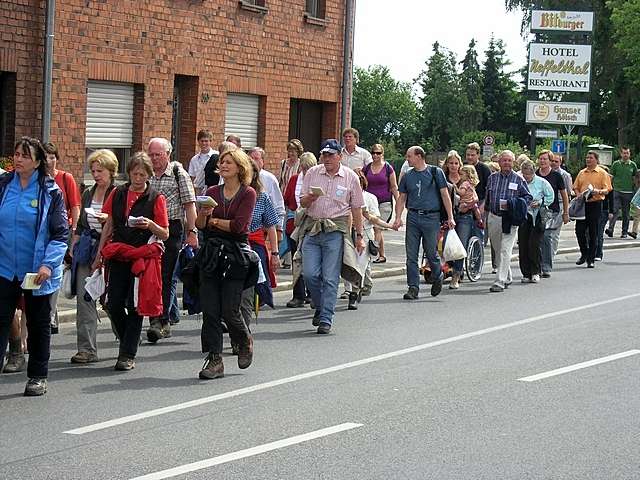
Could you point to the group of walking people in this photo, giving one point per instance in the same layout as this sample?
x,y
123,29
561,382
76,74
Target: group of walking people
x,y
129,241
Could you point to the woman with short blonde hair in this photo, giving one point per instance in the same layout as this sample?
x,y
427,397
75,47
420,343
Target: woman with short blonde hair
x,y
103,165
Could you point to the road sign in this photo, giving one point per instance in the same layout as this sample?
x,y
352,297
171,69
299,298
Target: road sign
x,y
559,146
489,140
487,150
547,133
557,113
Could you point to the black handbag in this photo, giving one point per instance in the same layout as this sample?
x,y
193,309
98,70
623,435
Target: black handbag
x,y
374,248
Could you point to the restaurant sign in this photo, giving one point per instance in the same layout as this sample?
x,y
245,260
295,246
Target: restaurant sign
x,y
559,68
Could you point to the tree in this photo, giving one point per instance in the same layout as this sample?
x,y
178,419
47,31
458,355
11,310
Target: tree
x,y
499,88
383,108
471,86
440,102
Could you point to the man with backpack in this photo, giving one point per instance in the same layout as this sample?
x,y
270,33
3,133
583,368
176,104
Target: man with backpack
x,y
172,181
424,191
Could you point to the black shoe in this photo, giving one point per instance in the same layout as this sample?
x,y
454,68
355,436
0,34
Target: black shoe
x,y
581,261
353,301
323,329
609,232
412,294
295,303
633,235
316,318
307,300
174,321
624,235
591,265
436,286
35,387
546,275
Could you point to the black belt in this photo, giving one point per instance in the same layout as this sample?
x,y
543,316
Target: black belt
x,y
423,212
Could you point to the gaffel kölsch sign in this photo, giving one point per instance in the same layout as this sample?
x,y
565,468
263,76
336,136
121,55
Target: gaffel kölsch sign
x,y
559,68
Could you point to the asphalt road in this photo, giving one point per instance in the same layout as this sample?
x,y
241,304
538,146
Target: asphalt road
x,y
439,388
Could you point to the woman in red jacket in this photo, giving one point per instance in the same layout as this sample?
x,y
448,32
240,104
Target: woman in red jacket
x,y
136,212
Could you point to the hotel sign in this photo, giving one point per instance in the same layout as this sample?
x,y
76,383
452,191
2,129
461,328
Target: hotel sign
x,y
559,68
557,113
559,21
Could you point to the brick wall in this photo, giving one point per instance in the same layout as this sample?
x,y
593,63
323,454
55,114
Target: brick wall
x,y
276,55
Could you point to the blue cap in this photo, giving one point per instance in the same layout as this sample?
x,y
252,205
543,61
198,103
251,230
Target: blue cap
x,y
330,146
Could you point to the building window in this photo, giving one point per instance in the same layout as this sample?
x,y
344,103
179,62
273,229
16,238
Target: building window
x,y
315,12
258,6
243,118
110,120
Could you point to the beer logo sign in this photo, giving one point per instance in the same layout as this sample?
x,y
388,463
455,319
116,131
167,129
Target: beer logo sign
x,y
540,112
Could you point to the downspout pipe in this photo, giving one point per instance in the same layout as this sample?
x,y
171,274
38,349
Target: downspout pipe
x,y
347,68
50,13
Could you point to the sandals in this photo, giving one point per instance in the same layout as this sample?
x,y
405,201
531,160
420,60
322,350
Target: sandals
x,y
380,260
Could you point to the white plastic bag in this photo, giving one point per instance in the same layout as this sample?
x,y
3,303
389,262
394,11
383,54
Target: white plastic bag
x,y
453,248
94,285
66,283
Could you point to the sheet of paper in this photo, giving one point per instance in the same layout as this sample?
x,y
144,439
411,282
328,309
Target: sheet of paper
x,y
29,282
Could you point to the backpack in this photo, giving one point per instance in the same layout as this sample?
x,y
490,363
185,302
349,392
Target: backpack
x,y
211,177
443,211
388,169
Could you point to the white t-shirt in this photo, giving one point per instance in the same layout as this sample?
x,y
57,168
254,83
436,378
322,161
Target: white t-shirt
x,y
271,186
356,160
196,167
371,205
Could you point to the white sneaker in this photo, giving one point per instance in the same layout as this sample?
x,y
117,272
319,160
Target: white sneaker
x,y
535,278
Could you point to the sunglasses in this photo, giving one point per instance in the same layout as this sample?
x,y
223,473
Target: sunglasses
x,y
376,153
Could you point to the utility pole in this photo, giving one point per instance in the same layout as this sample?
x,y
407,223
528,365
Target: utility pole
x,y
347,66
50,14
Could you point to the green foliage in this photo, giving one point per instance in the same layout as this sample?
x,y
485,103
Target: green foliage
x,y
471,88
383,108
440,100
625,18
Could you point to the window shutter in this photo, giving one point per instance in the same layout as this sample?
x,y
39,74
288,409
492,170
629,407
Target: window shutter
x,y
109,115
242,118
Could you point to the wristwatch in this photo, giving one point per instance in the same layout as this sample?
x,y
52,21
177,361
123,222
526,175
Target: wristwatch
x,y
194,231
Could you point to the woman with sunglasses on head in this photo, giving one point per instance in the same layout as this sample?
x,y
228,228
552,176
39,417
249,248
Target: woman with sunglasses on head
x,y
225,262
382,182
33,242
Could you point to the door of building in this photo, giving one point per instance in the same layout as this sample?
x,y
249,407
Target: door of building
x,y
305,123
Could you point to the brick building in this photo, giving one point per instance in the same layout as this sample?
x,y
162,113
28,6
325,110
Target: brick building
x,y
128,70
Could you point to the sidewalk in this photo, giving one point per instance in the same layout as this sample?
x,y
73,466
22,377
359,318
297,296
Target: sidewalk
x,y
395,264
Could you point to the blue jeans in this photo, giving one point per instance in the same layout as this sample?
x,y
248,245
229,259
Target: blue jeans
x,y
174,308
465,226
321,265
422,228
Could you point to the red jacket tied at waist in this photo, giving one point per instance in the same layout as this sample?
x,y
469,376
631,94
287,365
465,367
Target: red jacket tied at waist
x,y
146,265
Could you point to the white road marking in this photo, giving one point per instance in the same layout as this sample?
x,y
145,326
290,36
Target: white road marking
x,y
249,452
579,366
336,368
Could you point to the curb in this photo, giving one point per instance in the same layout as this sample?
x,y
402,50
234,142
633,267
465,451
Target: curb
x,y
68,316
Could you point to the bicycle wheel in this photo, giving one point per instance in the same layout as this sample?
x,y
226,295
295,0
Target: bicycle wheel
x,y
475,259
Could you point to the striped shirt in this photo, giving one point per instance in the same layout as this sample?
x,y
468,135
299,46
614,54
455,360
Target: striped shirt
x,y
504,187
264,215
94,224
176,195
342,192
